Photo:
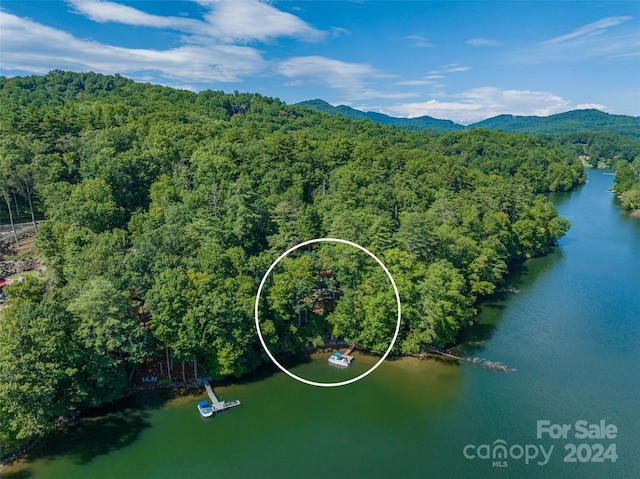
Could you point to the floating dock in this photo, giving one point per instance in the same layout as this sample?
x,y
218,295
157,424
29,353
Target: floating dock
x,y
216,404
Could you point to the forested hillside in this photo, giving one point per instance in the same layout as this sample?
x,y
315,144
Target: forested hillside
x,y
598,148
568,122
164,208
619,153
600,138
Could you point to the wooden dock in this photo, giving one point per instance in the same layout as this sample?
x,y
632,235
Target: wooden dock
x,y
347,353
216,404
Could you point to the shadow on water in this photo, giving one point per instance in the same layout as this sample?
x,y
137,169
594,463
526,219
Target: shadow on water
x,y
97,432
266,370
22,474
93,437
289,361
471,340
561,197
85,440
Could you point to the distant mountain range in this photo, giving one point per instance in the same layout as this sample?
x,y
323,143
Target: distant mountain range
x,y
568,122
419,123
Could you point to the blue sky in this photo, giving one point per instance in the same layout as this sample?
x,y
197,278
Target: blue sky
x,y
463,61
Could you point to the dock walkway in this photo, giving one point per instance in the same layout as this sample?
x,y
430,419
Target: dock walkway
x,y
216,404
347,353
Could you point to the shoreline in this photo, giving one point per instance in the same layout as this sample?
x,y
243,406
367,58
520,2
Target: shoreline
x,y
180,388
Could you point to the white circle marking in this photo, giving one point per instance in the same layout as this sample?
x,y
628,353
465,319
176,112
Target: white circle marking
x,y
264,345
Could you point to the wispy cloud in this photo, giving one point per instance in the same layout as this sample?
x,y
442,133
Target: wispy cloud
x,y
590,30
480,103
612,38
213,49
226,21
33,47
435,77
339,31
352,81
414,82
329,72
419,41
111,12
456,69
433,81
385,95
482,42
450,68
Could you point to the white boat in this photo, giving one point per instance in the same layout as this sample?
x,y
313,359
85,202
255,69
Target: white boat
x,y
205,408
340,359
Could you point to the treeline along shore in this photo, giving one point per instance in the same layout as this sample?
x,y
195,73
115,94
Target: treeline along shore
x,y
164,208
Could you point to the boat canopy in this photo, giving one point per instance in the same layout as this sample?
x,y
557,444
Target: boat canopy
x,y
203,404
337,355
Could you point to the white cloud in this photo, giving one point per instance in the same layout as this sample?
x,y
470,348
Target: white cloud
x,y
251,20
431,80
481,103
592,106
326,71
207,55
587,31
352,80
414,82
368,94
612,37
226,21
456,111
111,12
419,41
338,31
33,47
455,68
482,42
451,68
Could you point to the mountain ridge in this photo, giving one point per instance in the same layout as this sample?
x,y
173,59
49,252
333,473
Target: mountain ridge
x,y
419,123
566,122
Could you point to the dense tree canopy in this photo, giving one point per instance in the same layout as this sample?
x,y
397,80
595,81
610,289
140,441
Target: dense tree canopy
x,y
598,148
627,183
164,209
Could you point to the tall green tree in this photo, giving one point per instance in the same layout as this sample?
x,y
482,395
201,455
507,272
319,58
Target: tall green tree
x,y
291,300
111,336
39,366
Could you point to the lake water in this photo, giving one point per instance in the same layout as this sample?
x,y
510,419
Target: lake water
x,y
572,331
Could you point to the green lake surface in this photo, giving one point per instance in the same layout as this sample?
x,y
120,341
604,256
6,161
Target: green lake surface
x,y
572,331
